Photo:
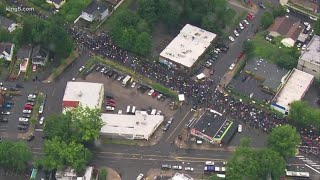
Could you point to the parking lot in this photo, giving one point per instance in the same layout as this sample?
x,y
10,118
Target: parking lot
x,y
129,95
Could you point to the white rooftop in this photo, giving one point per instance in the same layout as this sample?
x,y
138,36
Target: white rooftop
x,y
295,88
188,45
87,94
139,124
180,176
312,54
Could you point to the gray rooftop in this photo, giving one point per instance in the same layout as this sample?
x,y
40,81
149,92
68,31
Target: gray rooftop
x,y
270,73
5,22
24,52
312,54
95,7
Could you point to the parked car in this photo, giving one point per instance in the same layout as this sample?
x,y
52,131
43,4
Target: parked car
x,y
250,16
151,91
140,176
41,120
22,127
231,39
209,163
241,26
165,166
5,120
240,128
33,96
109,108
103,69
14,89
246,22
154,94
166,127
41,109
235,33
120,78
81,68
188,169
25,111
23,119
232,66
158,112
98,68
261,5
177,167
26,115
5,112
159,96
19,85
133,84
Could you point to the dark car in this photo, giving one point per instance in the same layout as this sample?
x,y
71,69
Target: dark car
x,y
98,68
19,85
109,97
261,5
23,123
14,89
21,127
26,115
30,138
110,74
5,120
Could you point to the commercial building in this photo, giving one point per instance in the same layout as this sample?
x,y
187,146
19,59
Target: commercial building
x,y
180,176
270,75
287,27
212,127
309,60
83,94
138,126
295,87
187,47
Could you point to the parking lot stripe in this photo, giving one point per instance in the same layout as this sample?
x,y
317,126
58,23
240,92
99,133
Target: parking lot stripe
x,y
312,168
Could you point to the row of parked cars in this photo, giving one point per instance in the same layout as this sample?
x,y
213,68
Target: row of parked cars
x,y
214,55
242,26
176,167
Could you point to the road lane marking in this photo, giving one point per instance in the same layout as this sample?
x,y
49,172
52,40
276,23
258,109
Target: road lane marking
x,y
177,126
312,168
299,156
152,159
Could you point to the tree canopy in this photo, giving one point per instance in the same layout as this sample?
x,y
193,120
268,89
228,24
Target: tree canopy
x,y
248,163
304,116
59,153
14,156
317,27
284,139
79,124
266,19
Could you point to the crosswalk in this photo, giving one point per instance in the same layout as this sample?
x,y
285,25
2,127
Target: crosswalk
x,y
315,166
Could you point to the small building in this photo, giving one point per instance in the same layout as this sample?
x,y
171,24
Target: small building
x,y
309,60
137,126
295,87
289,28
95,11
56,3
180,176
270,75
187,47
83,94
39,56
70,174
6,50
7,24
23,56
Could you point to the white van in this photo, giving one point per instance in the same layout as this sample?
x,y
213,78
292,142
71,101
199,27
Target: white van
x,y
133,111
128,109
153,112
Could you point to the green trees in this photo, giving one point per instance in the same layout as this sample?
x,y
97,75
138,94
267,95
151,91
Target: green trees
x,y
248,163
266,19
67,136
103,173
284,139
304,116
14,156
59,153
317,27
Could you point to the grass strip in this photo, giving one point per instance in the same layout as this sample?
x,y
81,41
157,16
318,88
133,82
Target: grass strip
x,y
35,113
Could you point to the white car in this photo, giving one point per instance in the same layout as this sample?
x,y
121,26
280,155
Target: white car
x,y
25,111
298,45
159,112
32,96
235,33
209,163
120,111
241,26
40,109
232,66
151,91
81,68
288,10
313,18
133,84
188,169
304,47
159,96
177,167
3,88
109,108
23,119
102,70
41,120
306,23
140,176
5,112
240,128
246,22
231,39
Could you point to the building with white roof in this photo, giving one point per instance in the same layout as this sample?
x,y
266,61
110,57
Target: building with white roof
x,y
186,48
83,94
138,126
295,87
180,176
309,60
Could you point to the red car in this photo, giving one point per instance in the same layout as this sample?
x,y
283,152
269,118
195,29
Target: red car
x,y
27,107
111,100
154,94
111,104
240,55
250,16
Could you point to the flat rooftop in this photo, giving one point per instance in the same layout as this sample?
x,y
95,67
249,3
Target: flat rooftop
x,y
209,124
139,124
86,93
294,89
312,55
188,45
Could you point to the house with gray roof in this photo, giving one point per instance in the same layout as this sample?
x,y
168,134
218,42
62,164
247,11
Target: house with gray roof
x,y
23,56
270,75
7,24
39,56
95,11
6,51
